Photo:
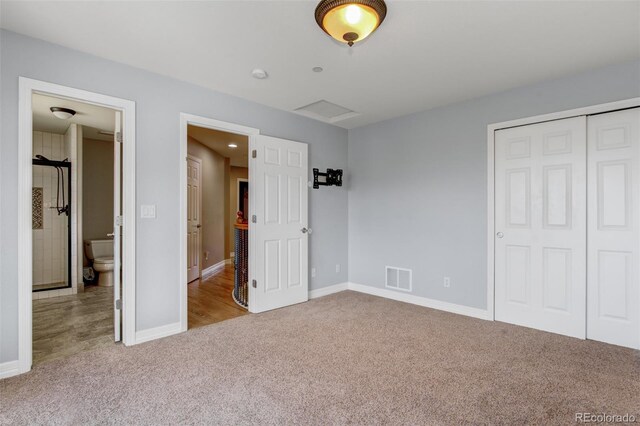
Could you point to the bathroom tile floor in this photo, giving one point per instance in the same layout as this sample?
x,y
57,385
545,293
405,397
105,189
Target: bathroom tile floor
x,y
66,325
210,300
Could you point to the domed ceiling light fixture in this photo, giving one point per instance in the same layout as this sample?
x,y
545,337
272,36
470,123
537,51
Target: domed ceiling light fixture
x,y
350,21
62,113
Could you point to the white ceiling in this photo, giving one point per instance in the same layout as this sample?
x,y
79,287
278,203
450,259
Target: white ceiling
x,y
219,142
93,118
425,54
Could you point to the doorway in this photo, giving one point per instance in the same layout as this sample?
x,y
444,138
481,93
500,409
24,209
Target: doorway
x,y
72,219
274,232
64,245
216,258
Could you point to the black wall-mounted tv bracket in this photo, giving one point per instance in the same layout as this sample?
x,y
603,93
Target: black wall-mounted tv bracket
x,y
331,178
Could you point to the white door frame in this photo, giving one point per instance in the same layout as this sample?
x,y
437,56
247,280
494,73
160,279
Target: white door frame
x,y
27,87
491,129
208,123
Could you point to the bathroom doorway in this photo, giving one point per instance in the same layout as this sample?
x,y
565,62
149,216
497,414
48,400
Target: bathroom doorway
x,y
70,276
73,233
217,218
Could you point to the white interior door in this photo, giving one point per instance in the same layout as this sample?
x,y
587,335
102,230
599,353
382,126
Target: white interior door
x,y
540,222
613,310
194,197
117,222
281,238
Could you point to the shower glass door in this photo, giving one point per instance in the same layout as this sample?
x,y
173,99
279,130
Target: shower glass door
x,y
51,223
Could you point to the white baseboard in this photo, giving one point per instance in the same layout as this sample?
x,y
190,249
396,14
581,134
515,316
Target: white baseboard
x,y
206,273
157,332
325,291
403,297
421,301
9,369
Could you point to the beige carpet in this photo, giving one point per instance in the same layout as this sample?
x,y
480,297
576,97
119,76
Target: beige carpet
x,y
347,358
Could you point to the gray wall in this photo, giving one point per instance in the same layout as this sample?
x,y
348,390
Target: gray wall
x,y
418,184
97,189
159,101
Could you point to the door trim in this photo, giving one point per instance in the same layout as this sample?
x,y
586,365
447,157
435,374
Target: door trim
x,y
209,123
491,129
199,161
27,87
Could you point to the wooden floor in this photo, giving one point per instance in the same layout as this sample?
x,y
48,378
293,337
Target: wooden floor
x,y
210,301
66,325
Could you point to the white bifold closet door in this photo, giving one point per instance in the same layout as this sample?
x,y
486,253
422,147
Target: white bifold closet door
x,y
613,310
540,222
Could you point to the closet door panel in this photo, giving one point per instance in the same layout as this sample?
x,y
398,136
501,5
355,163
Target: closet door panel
x,y
613,284
540,245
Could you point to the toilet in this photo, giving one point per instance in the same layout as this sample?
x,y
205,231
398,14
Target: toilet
x,y
100,252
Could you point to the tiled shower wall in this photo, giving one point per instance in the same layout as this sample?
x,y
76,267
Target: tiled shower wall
x,y
50,242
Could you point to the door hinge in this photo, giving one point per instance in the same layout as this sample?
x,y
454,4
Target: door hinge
x,y
119,137
254,283
254,153
119,304
254,219
119,220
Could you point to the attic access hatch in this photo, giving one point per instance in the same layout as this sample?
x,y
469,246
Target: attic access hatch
x,y
326,111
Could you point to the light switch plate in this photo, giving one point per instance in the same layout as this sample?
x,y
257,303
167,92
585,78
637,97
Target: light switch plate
x,y
148,211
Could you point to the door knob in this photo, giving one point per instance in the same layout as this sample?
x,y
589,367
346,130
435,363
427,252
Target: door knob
x,y
111,234
306,230
198,226
499,235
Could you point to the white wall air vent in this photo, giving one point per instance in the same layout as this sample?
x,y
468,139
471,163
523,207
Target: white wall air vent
x,y
398,278
326,111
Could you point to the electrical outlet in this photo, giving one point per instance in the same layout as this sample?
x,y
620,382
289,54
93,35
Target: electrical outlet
x,y
337,268
447,282
313,272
